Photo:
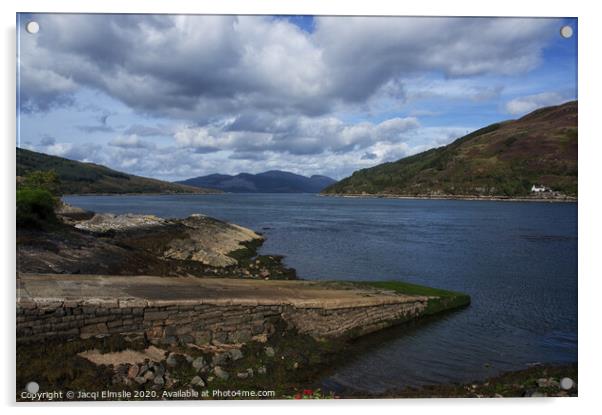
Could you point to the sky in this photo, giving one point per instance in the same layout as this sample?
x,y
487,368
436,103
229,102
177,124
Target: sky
x,y
174,97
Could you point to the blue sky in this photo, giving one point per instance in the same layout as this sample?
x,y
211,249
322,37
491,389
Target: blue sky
x,y
174,97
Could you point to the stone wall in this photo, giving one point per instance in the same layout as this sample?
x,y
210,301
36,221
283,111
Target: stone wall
x,y
201,322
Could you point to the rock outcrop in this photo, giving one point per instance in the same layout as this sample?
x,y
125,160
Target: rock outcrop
x,y
130,244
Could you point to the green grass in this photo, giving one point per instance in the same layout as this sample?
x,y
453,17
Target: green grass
x,y
444,299
411,289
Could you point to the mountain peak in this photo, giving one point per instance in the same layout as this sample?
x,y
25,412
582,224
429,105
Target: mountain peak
x,y
271,181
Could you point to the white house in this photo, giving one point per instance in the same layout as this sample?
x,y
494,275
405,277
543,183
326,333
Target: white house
x,y
539,189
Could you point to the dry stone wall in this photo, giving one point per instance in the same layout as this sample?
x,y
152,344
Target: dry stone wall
x,y
202,322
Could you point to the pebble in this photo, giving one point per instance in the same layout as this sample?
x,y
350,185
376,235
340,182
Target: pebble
x,y
235,354
171,360
220,373
545,383
197,381
133,371
159,380
262,370
199,363
220,358
140,380
242,375
159,370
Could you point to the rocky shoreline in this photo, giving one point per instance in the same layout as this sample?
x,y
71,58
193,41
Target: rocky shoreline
x,y
551,199
287,364
88,243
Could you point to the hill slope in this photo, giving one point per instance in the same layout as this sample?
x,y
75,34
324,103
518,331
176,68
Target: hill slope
x,y
504,159
268,182
81,178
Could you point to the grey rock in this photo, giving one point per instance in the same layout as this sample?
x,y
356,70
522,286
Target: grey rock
x,y
140,380
159,370
221,373
159,380
197,381
149,375
199,363
235,354
547,382
242,375
171,360
220,358
269,351
262,370
104,222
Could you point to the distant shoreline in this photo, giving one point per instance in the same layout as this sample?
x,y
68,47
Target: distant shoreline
x,y
566,199
143,194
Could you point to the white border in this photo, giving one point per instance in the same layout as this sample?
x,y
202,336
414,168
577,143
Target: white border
x,y
590,24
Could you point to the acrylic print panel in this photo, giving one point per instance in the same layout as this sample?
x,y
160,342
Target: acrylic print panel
x,y
278,207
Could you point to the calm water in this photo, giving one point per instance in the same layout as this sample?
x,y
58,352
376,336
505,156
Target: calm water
x,y
518,261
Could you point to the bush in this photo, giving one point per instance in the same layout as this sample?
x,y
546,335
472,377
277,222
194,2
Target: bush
x,y
47,180
35,208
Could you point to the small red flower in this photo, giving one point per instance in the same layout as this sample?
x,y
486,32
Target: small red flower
x,y
308,392
298,396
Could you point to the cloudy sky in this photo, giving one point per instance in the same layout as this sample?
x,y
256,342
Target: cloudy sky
x,y
174,97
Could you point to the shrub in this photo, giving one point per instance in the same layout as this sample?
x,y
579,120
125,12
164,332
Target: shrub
x,y
35,208
47,180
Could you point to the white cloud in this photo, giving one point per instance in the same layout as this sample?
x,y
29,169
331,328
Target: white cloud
x,y
130,141
228,94
203,67
296,135
523,105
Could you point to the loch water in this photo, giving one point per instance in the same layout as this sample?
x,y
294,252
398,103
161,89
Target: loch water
x,y
517,261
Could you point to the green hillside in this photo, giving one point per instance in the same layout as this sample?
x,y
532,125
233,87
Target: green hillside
x,y
82,178
504,159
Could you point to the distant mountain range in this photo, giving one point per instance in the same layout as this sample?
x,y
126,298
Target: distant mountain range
x,y
273,181
505,159
84,178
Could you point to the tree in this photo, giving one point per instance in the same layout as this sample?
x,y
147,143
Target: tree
x,y
38,179
37,196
